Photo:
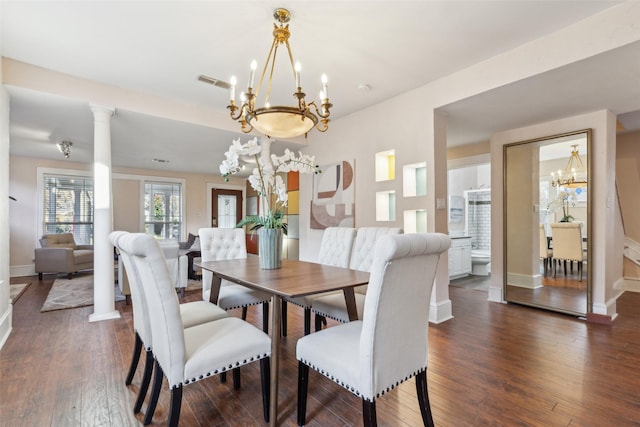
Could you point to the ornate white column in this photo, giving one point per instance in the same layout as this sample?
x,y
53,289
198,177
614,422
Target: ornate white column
x,y
103,276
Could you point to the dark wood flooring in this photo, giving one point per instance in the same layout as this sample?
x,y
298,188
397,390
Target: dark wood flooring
x,y
491,365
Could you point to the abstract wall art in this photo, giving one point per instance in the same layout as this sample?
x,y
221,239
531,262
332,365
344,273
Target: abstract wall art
x,y
333,202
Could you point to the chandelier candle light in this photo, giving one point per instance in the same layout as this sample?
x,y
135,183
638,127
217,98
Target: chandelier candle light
x,y
279,121
574,175
272,191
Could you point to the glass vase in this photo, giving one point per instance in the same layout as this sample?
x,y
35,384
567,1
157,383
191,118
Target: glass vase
x,y
270,248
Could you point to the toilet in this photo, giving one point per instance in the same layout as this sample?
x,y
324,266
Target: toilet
x,y
480,262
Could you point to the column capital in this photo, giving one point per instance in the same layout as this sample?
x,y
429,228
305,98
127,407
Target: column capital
x,y
97,108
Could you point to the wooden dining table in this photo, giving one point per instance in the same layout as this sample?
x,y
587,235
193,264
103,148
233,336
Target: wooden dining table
x,y
294,279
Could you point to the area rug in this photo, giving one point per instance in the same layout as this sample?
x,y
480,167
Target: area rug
x,y
16,290
65,293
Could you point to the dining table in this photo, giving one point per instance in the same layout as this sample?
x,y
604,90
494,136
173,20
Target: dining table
x,y
294,279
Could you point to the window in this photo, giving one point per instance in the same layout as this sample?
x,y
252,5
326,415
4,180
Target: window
x,y
68,206
163,209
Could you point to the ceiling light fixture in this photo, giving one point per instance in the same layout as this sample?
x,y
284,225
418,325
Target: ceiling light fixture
x,y
65,148
279,121
574,174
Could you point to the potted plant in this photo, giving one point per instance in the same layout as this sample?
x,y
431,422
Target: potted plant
x,y
270,223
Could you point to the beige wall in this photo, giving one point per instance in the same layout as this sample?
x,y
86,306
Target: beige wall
x,y
469,150
628,181
24,221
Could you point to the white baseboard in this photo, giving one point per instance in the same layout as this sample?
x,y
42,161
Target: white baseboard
x,y
495,294
524,280
6,325
631,285
440,312
22,270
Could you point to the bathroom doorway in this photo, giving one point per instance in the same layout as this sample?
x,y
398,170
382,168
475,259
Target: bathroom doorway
x,y
469,188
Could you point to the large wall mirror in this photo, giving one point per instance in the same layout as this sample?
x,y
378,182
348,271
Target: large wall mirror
x,y
547,221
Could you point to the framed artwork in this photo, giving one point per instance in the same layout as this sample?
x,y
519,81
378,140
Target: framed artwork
x,y
333,201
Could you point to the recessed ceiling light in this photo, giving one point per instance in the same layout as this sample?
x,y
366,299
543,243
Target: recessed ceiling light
x,y
364,87
160,161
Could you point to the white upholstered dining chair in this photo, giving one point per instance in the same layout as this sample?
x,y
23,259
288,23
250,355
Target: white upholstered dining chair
x,y
567,245
229,243
335,250
191,313
546,253
187,355
333,305
370,357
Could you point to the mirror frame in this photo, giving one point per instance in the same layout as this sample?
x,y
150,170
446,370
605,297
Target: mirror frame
x,y
588,133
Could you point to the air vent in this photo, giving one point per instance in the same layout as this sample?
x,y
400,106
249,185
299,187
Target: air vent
x,y
213,81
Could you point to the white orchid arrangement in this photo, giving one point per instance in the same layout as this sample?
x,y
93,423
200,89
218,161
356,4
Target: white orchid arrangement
x,y
564,199
265,179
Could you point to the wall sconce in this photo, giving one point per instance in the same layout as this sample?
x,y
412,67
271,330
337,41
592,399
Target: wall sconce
x,y
65,148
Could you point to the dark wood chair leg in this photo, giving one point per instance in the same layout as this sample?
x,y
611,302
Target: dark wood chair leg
x,y
146,379
423,399
284,318
244,313
265,317
40,276
155,393
580,270
265,380
303,383
236,378
135,358
174,409
223,377
369,413
307,321
318,322
69,275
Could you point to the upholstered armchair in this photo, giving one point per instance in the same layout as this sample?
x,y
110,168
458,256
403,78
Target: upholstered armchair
x,y
60,254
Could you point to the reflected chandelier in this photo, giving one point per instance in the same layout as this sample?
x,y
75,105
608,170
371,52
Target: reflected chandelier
x,y
279,121
574,174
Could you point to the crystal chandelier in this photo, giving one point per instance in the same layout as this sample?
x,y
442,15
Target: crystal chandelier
x,y
279,121
65,148
574,174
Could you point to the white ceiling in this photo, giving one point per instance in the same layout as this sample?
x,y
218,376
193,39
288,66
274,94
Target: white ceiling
x,y
161,47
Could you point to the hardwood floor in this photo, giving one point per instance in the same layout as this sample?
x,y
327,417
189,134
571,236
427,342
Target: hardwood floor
x,y
491,365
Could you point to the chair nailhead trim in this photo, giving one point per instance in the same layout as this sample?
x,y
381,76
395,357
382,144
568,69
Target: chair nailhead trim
x,y
353,389
223,369
245,305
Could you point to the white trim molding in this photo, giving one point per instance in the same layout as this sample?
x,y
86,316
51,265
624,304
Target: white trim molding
x,y
440,312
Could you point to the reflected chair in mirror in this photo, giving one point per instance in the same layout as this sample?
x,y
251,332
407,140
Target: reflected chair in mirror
x,y
192,313
546,253
567,245
218,244
372,356
333,305
335,250
187,355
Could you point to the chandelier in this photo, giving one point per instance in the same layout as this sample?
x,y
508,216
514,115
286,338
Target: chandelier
x,y
279,121
65,148
574,174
